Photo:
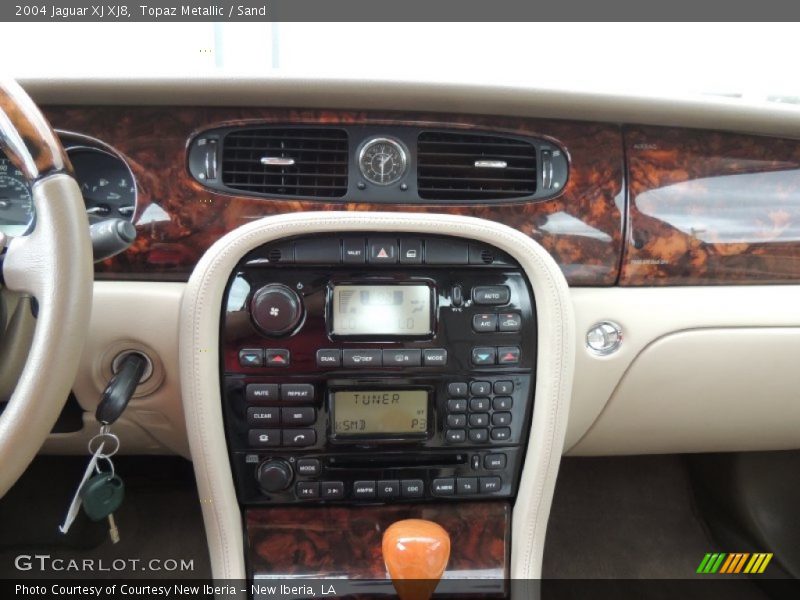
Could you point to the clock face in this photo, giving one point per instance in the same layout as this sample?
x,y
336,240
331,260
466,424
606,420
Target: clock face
x,y
382,161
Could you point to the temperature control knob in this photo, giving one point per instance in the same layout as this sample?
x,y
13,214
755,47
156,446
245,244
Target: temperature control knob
x,y
276,309
274,475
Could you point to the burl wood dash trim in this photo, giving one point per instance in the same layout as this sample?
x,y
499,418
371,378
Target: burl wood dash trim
x,y
26,137
177,218
328,542
711,208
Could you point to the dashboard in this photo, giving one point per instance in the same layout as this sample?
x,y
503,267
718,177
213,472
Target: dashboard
x,y
640,205
627,210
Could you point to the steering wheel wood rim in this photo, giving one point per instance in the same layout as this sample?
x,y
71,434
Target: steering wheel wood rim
x,y
53,263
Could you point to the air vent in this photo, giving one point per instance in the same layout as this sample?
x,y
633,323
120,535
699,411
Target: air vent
x,y
309,162
465,166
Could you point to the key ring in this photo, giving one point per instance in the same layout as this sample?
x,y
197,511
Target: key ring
x,y
106,458
103,436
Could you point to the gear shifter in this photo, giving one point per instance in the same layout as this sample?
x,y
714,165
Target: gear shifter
x,y
416,552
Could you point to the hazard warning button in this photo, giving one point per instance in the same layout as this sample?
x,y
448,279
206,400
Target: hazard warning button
x,y
383,251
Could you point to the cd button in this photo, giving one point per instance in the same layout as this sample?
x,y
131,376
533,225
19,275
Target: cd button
x,y
443,487
402,358
361,358
299,437
389,488
363,489
412,488
329,357
302,415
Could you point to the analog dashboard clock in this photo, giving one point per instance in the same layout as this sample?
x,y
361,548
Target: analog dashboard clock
x,y
382,161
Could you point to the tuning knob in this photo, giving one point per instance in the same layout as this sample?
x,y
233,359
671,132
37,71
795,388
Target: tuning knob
x,y
274,475
276,309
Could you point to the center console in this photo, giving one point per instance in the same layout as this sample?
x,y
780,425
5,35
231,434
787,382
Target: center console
x,y
363,368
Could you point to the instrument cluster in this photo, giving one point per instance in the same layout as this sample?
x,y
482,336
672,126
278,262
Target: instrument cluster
x,y
105,180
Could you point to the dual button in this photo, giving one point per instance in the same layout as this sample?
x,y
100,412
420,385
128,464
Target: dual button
x,y
375,357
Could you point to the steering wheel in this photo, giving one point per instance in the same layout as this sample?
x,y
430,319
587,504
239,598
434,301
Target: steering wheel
x,y
53,264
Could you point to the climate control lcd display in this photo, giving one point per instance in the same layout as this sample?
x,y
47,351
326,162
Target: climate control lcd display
x,y
381,310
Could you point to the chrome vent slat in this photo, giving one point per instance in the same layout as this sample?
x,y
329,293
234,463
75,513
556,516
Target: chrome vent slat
x,y
447,170
320,156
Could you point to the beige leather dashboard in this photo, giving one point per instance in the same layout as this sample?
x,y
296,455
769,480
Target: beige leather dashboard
x,y
696,372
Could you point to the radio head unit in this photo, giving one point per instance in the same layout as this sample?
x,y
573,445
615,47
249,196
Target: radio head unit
x,y
358,368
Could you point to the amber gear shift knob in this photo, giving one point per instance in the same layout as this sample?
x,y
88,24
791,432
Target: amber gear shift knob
x,y
416,553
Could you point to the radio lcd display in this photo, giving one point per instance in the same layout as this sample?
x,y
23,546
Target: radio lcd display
x,y
381,310
380,412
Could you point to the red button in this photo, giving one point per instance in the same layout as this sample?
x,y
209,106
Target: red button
x,y
277,357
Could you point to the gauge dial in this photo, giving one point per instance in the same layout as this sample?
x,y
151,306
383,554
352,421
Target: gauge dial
x,y
106,183
16,204
382,161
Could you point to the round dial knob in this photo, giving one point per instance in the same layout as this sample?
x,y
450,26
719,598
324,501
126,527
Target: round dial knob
x,y
276,309
274,475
